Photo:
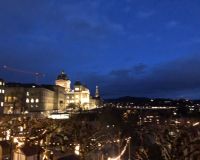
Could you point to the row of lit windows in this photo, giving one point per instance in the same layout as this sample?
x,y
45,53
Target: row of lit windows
x,y
32,100
2,91
10,99
2,83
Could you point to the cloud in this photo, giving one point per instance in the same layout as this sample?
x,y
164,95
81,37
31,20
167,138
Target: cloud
x,y
179,78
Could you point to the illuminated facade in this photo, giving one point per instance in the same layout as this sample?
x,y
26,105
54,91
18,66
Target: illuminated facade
x,y
63,81
79,95
24,98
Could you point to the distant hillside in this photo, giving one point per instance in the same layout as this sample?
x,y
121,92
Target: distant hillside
x,y
152,102
135,99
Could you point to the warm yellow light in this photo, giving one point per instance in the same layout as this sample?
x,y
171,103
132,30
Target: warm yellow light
x,y
77,149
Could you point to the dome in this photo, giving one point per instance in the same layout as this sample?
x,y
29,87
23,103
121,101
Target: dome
x,y
62,76
77,83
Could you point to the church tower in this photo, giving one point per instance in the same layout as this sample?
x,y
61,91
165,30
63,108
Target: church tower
x,y
63,81
97,92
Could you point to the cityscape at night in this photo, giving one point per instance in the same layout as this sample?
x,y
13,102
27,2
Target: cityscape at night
x,y
99,80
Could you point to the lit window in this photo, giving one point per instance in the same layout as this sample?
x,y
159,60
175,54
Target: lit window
x,y
3,91
0,90
27,100
1,104
36,106
31,106
0,83
37,100
32,100
9,99
27,93
76,89
77,96
5,99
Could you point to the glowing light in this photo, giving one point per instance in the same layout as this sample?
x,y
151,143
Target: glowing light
x,y
27,100
19,143
122,152
37,100
8,132
77,149
195,124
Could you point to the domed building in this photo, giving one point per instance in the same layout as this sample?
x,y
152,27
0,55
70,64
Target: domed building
x,y
63,81
79,95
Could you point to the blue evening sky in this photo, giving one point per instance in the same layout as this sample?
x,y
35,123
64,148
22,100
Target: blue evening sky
x,y
127,47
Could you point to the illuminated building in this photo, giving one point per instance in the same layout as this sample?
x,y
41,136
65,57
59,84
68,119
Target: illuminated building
x,y
79,95
63,81
22,98
2,93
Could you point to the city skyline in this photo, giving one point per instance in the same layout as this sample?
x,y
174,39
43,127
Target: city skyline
x,y
127,48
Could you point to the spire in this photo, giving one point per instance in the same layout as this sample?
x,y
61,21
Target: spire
x,y
62,76
97,92
63,72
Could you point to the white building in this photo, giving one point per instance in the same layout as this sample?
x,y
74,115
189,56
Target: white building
x,y
79,95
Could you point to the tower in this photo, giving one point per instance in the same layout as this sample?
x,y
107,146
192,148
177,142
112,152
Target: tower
x,y
2,94
97,92
63,81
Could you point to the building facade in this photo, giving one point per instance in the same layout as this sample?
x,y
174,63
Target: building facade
x,y
79,95
2,94
18,98
25,98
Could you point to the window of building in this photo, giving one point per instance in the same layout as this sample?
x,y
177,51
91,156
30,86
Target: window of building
x,y
0,90
5,99
9,99
27,100
76,89
1,104
36,106
27,93
36,100
0,83
3,91
32,100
